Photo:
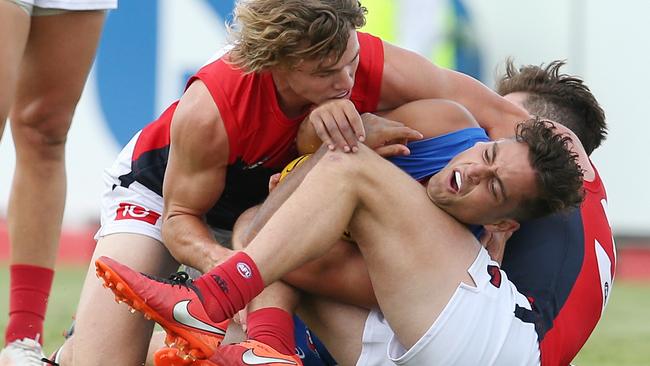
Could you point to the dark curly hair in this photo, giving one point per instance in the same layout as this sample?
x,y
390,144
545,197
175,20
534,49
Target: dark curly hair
x,y
558,175
559,97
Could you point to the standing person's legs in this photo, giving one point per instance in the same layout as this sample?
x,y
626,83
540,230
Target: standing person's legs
x,y
14,29
53,70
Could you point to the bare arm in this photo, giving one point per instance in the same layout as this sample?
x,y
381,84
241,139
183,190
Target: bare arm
x,y
433,117
386,132
194,179
409,76
385,136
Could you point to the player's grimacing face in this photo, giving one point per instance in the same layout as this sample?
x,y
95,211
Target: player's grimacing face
x,y
321,80
485,183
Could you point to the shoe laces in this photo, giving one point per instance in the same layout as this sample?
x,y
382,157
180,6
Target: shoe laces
x,y
180,279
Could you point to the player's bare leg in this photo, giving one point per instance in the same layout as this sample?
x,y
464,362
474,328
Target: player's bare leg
x,y
268,316
41,94
268,319
269,326
102,325
47,70
52,75
339,326
388,212
14,27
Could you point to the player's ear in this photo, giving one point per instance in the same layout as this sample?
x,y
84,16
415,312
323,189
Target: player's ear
x,y
502,226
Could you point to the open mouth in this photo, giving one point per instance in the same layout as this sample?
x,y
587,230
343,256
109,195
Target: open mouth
x,y
342,95
456,181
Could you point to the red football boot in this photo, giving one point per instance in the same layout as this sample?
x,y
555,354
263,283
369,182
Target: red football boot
x,y
168,356
251,352
172,303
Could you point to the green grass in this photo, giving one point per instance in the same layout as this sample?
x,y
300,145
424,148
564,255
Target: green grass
x,y
623,335
621,338
62,303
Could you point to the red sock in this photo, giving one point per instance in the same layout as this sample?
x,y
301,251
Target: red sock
x,y
29,290
229,286
272,326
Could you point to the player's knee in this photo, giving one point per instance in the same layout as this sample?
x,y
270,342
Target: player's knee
x,y
342,165
42,126
241,233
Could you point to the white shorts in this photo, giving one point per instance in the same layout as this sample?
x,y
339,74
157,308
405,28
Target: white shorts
x,y
36,7
136,209
477,327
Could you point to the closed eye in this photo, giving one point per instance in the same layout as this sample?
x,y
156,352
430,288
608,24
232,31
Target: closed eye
x,y
493,189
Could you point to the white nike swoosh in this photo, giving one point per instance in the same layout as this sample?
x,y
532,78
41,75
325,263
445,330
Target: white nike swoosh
x,y
250,358
182,315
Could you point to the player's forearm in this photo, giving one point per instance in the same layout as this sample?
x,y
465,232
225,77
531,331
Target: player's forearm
x,y
495,114
190,242
307,141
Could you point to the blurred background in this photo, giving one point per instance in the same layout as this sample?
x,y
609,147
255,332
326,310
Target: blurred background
x,y
150,47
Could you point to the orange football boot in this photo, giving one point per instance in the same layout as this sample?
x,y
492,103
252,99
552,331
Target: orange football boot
x,y
173,303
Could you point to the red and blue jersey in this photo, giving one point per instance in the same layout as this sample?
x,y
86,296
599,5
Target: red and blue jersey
x,y
261,137
565,265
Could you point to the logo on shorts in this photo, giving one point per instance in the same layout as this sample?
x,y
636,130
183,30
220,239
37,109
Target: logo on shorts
x,y
129,211
495,275
244,270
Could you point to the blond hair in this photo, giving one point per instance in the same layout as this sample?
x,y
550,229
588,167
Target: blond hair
x,y
268,33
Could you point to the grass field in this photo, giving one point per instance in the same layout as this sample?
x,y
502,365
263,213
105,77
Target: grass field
x,y
622,337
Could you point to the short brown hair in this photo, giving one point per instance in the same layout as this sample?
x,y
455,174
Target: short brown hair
x,y
558,175
267,33
559,97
